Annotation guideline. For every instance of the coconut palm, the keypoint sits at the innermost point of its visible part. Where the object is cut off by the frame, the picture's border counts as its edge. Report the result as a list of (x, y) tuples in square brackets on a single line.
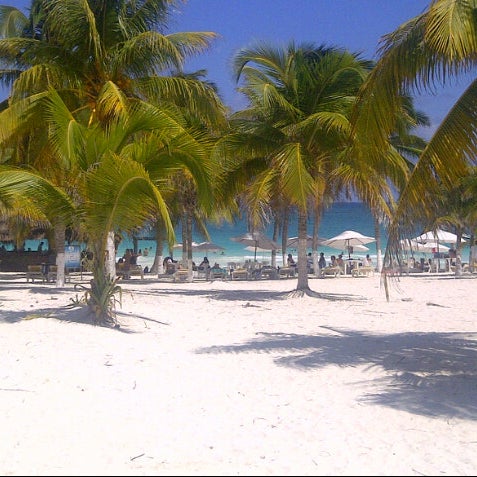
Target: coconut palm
[(28, 198), (29, 194), (99, 56), (431, 49), (297, 124), (116, 191)]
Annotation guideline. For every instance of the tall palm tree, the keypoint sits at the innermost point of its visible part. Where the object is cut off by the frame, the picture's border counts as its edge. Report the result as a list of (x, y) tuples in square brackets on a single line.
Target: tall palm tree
[(99, 56), (436, 46), (296, 126)]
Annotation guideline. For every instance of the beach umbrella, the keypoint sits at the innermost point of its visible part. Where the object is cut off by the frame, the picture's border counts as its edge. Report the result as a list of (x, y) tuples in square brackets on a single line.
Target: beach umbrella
[(251, 248), (348, 240), (207, 247), (292, 242), (428, 247), (256, 240), (179, 245), (437, 236)]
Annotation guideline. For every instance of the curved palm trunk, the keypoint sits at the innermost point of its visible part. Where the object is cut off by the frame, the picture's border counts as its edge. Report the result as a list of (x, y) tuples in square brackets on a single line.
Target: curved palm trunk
[(458, 251), (286, 215), (60, 254), (276, 230), (189, 246), (157, 266), (302, 240), (316, 226), (377, 236)]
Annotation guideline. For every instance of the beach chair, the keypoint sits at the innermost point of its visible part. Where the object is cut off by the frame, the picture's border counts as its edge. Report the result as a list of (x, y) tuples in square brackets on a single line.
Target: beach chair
[(181, 274), (51, 273), (217, 273), (126, 273), (240, 274), (268, 272), (288, 272), (331, 271), (35, 272), (362, 271)]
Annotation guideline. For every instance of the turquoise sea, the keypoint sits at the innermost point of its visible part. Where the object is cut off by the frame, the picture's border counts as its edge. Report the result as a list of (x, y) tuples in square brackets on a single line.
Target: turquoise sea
[(339, 217)]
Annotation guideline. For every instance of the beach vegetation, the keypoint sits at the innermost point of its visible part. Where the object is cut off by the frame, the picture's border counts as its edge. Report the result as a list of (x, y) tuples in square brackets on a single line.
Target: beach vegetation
[(106, 83), (432, 49), (29, 201), (293, 133)]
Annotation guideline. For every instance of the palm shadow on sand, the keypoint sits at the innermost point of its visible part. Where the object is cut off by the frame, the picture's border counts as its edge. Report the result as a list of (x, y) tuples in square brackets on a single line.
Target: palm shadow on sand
[(432, 374)]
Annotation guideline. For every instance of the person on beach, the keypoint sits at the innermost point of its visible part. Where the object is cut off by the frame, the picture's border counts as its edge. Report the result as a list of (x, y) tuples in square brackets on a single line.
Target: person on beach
[(309, 262), (322, 261), (291, 261), (367, 262), (204, 265), (340, 262), (169, 265)]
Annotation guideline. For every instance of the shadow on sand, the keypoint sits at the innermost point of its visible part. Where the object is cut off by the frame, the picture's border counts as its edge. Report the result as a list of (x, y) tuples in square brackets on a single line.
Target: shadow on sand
[(432, 374)]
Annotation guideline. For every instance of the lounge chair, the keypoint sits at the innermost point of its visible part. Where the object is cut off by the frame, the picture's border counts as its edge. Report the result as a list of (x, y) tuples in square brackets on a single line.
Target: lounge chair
[(362, 271), (268, 272), (181, 274), (121, 271), (217, 273), (35, 271), (240, 274), (286, 272), (331, 271)]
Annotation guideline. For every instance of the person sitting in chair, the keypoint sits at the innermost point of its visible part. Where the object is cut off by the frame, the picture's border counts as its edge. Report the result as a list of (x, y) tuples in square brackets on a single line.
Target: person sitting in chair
[(204, 265), (291, 261)]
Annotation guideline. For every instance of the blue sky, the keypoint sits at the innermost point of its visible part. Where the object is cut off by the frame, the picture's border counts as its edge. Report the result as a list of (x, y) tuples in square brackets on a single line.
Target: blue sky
[(353, 24)]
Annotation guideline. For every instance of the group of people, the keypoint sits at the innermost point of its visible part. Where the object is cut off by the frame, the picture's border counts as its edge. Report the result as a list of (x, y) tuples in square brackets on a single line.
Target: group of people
[(334, 262), (171, 265)]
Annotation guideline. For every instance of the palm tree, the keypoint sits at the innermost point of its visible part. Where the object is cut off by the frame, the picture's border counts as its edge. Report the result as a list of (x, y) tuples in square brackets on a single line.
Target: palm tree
[(437, 46), (115, 190), (297, 124), (26, 196), (100, 57)]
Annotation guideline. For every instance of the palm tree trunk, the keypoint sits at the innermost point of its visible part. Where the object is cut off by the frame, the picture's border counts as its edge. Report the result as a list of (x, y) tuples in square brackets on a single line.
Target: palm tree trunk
[(160, 232), (377, 236), (60, 254), (110, 259), (316, 226), (189, 245), (286, 215), (302, 240), (276, 229)]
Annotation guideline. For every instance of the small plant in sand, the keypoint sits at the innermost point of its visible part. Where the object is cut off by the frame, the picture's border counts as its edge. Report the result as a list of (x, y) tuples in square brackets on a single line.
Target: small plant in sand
[(101, 297)]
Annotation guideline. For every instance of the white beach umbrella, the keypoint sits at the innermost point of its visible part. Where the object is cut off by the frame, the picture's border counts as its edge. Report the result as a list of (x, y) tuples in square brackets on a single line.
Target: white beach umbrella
[(179, 245), (256, 240), (438, 236), (428, 247), (348, 240), (292, 242), (207, 247), (251, 248)]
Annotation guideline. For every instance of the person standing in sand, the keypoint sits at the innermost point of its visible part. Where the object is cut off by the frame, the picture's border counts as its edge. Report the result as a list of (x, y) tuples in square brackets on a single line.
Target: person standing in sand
[(340, 263)]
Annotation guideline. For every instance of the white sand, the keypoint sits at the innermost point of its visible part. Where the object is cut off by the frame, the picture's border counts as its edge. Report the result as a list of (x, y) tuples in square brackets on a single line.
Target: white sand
[(234, 378)]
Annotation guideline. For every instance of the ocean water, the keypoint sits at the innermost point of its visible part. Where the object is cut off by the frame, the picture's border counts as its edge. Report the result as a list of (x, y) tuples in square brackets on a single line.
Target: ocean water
[(339, 217)]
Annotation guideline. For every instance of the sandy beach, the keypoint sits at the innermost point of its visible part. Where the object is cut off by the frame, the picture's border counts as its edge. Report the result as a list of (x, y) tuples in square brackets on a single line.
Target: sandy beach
[(240, 378)]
